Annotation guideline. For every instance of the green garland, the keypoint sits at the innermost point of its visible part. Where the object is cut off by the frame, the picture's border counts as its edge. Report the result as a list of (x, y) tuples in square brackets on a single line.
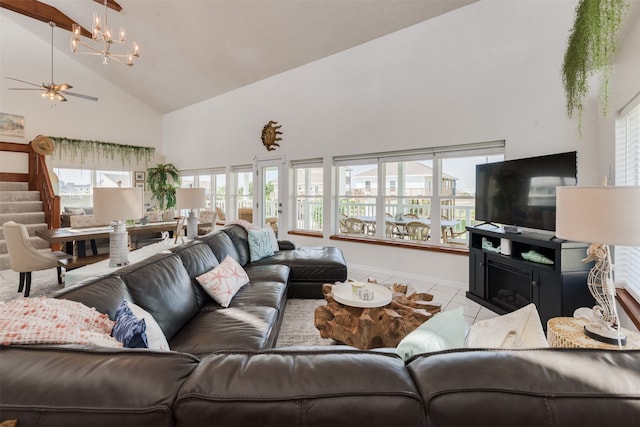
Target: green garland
[(81, 147), (592, 47)]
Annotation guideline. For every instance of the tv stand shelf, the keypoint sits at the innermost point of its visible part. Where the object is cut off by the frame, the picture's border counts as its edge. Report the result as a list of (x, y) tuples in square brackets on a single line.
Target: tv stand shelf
[(504, 282)]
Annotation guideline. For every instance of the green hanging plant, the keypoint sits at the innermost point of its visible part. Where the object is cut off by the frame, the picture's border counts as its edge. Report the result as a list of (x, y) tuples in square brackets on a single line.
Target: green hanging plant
[(160, 180), (83, 148), (592, 47)]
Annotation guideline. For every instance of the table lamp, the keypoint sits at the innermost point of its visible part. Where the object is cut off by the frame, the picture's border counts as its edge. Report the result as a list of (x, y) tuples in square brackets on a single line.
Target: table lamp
[(119, 205), (191, 198), (601, 216)]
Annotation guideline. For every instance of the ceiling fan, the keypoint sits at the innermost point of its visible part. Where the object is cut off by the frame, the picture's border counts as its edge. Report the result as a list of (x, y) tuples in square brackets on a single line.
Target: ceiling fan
[(51, 90)]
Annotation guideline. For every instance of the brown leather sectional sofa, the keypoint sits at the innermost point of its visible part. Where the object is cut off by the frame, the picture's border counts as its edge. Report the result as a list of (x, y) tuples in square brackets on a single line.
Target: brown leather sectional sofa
[(224, 371)]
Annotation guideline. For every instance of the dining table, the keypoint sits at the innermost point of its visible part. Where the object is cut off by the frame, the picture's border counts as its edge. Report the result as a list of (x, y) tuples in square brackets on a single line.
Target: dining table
[(402, 222)]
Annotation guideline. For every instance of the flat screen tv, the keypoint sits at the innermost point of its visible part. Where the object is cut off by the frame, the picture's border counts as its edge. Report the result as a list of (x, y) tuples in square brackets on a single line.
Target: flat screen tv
[(522, 192)]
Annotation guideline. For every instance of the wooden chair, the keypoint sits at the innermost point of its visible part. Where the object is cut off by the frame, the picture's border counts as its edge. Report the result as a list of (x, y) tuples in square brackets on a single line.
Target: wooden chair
[(410, 215), (24, 258), (417, 230), (208, 217), (355, 226)]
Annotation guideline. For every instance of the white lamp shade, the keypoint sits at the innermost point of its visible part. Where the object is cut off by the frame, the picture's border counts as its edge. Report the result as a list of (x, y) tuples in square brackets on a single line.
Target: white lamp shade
[(112, 204), (191, 198), (606, 215)]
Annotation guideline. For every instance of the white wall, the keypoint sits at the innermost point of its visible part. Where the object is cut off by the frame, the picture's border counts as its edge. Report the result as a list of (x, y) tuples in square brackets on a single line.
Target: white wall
[(484, 72), (116, 117)]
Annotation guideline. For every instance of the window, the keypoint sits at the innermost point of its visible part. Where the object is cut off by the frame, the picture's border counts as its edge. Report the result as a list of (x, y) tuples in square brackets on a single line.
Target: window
[(243, 195), (75, 186), (434, 188), (627, 259), (308, 182), (214, 182)]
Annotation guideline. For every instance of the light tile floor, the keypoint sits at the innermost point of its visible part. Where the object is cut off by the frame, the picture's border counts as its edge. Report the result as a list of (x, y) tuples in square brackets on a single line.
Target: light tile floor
[(450, 297)]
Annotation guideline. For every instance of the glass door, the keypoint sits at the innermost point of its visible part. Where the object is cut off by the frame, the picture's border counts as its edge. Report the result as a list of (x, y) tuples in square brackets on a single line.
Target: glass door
[(270, 204)]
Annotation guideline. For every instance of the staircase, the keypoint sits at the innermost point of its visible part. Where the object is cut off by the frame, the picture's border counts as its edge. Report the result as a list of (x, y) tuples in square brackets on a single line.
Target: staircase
[(19, 204)]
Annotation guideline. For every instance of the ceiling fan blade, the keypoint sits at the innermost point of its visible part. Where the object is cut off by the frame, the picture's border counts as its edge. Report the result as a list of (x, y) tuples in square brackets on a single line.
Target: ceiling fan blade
[(24, 81), (62, 86), (79, 95), (24, 88)]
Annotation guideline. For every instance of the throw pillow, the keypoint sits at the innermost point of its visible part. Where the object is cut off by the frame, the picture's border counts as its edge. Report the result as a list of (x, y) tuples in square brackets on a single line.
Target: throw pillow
[(155, 336), (443, 331), (519, 329), (129, 330), (260, 245), (224, 281), (274, 240)]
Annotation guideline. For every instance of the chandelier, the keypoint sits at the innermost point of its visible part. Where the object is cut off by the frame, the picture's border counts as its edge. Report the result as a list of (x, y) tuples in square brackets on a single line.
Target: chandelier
[(100, 32)]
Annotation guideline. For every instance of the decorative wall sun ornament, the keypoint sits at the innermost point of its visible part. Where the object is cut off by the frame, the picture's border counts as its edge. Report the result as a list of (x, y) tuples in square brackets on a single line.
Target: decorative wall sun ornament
[(270, 135)]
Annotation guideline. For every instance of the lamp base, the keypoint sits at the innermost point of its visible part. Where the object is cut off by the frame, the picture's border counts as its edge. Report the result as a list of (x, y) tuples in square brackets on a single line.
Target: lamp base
[(605, 334), (192, 225), (119, 245)]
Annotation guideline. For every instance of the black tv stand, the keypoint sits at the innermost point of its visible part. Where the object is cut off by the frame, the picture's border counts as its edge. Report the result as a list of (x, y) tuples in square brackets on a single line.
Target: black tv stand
[(504, 283)]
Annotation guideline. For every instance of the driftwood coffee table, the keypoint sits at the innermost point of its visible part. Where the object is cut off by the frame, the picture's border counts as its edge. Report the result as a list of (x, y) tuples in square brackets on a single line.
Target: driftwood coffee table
[(370, 324)]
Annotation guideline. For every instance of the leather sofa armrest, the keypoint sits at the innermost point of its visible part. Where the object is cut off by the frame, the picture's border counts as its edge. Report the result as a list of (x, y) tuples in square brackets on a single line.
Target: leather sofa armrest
[(286, 245)]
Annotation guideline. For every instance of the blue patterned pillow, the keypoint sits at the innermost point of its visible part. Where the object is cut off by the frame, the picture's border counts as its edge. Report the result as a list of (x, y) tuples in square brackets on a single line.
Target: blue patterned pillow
[(129, 330), (260, 244)]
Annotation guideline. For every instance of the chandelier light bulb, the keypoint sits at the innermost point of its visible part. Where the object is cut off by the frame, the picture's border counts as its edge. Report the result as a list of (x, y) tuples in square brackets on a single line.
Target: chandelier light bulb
[(103, 34)]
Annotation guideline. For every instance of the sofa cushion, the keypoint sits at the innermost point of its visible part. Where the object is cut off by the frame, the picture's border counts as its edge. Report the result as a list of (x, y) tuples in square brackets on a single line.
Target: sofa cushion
[(198, 258), (311, 264), (221, 245), (301, 388), (269, 273), (63, 386), (240, 238), (246, 328), (103, 293), (261, 294), (162, 286), (224, 281)]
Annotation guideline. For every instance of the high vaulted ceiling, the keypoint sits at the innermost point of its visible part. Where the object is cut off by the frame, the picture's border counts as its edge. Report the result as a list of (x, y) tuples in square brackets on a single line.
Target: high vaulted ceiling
[(192, 50)]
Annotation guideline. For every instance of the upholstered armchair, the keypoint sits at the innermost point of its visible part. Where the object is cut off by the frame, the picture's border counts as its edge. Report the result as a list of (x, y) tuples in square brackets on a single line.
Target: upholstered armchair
[(24, 258)]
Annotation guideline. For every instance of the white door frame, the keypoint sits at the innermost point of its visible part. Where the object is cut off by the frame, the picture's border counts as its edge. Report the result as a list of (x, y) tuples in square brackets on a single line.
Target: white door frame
[(258, 165)]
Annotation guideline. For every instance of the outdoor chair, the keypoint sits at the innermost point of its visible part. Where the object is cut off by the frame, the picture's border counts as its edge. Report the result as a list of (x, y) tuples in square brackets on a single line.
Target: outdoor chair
[(417, 230)]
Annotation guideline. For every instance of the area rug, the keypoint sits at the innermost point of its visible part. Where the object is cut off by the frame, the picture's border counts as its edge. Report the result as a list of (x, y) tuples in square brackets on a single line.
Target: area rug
[(297, 325)]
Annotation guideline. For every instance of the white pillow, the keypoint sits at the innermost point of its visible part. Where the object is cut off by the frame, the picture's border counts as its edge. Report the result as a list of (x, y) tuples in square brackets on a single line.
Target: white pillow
[(519, 329), (155, 336), (443, 331), (224, 281)]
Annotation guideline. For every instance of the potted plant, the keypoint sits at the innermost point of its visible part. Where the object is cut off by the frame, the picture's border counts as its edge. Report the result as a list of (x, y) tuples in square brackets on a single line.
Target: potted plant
[(161, 181), (591, 49)]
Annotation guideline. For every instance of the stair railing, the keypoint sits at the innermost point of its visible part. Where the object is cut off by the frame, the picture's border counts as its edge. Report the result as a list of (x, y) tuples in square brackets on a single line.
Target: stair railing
[(37, 178)]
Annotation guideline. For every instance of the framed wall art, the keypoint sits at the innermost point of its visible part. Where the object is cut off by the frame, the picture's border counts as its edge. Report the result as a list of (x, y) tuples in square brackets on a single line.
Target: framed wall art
[(140, 176), (11, 125)]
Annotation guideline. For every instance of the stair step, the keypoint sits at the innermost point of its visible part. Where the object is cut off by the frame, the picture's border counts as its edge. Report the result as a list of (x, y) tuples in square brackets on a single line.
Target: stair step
[(23, 218), (19, 196), (21, 207), (14, 186)]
